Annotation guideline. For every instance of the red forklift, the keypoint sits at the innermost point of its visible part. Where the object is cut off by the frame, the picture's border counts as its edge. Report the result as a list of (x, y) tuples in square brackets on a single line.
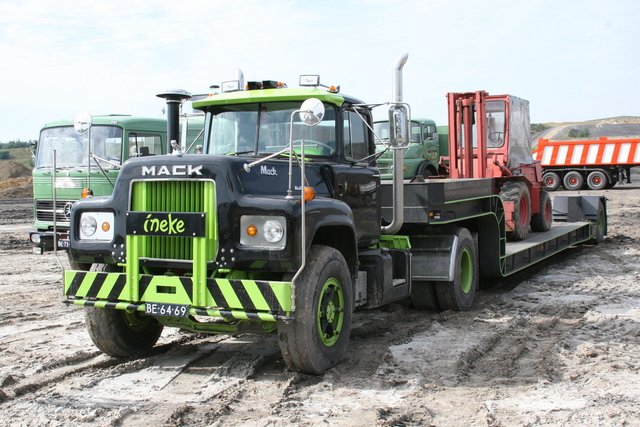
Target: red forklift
[(489, 137)]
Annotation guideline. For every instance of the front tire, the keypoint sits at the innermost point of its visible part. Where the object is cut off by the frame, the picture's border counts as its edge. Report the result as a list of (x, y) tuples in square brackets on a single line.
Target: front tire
[(542, 220), (120, 333), (317, 338), (518, 192), (459, 294)]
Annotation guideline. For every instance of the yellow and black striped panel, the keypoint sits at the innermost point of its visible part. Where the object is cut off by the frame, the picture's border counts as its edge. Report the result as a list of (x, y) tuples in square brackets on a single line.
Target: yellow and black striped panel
[(228, 295), (88, 284)]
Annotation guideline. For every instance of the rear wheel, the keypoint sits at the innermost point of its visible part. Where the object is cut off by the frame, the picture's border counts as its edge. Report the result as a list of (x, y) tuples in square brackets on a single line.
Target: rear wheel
[(551, 180), (459, 293), (424, 295), (597, 180), (518, 193), (120, 333), (573, 180), (317, 338), (542, 220)]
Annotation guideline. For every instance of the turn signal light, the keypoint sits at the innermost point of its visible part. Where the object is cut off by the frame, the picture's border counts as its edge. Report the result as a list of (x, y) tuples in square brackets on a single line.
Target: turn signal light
[(106, 226), (309, 194), (252, 230), (86, 193)]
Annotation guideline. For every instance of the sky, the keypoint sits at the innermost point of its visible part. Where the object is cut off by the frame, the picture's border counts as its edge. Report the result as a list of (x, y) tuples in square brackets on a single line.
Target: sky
[(573, 60)]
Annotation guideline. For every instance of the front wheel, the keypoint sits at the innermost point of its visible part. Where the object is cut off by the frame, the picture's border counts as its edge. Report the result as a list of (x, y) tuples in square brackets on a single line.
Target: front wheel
[(542, 220), (459, 294), (518, 193), (316, 339), (120, 333)]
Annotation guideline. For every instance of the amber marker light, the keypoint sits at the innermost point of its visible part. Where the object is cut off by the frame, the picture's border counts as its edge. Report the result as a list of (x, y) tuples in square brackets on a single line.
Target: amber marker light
[(86, 193), (252, 230), (106, 226), (309, 194)]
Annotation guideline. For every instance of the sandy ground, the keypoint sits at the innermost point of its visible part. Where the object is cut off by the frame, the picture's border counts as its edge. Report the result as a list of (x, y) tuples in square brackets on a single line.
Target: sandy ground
[(557, 345)]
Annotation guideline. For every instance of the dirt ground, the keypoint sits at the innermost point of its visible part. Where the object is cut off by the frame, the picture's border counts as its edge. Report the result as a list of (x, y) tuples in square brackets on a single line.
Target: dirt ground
[(557, 345)]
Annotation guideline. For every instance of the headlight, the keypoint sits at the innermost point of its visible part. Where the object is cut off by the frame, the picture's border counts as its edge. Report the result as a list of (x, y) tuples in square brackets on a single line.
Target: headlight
[(262, 231), (88, 225), (273, 231), (96, 226)]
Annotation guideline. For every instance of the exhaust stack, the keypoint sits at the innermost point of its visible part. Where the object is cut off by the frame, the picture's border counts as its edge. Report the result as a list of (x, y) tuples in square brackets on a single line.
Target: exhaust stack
[(398, 158), (174, 98)]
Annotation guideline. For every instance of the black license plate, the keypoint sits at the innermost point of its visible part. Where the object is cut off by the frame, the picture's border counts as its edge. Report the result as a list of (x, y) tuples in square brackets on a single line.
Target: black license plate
[(168, 310), (63, 243)]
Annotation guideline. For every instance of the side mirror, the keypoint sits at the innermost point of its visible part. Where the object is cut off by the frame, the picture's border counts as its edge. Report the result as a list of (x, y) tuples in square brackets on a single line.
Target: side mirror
[(399, 136), (312, 111), (83, 122)]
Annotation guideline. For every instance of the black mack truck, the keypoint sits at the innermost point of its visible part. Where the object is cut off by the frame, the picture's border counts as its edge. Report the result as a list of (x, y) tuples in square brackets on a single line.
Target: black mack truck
[(283, 225)]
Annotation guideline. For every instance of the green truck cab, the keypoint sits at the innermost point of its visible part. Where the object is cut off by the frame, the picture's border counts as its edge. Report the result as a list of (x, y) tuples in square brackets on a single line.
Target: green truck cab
[(90, 168), (422, 158), (114, 139)]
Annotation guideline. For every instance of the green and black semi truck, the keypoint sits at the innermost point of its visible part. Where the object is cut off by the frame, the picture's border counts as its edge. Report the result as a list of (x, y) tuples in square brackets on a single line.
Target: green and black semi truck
[(283, 225)]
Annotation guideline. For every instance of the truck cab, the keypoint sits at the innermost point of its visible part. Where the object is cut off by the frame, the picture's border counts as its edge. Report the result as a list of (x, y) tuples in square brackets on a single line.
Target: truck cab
[(421, 158)]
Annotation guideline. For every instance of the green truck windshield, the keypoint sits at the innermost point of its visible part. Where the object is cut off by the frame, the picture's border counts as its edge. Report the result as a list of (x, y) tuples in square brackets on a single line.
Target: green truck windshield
[(264, 128), (72, 149)]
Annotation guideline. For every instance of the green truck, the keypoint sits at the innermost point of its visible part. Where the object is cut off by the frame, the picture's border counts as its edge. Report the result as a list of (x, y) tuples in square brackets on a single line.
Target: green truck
[(428, 144), (283, 225), (83, 169)]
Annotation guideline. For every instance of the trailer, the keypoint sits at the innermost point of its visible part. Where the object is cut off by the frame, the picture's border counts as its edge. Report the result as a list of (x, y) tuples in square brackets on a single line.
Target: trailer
[(596, 164), (283, 225)]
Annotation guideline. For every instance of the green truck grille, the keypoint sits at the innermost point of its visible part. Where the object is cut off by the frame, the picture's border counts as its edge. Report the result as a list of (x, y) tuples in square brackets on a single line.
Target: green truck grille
[(175, 196)]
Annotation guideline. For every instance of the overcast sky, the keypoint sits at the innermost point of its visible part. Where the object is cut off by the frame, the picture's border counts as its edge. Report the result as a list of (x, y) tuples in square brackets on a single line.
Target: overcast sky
[(573, 60)]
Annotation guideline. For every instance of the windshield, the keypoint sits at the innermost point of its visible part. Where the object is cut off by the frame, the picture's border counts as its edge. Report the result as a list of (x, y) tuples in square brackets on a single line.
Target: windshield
[(264, 128), (72, 149), (381, 129)]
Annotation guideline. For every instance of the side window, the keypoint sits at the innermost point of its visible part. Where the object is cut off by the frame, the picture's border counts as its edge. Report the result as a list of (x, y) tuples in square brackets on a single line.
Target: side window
[(144, 144), (355, 136)]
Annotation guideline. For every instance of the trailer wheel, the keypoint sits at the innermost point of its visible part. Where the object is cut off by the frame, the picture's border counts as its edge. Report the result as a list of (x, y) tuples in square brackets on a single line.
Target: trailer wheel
[(542, 220), (600, 225), (120, 333), (459, 294), (317, 338), (424, 295), (573, 180), (518, 192), (551, 180), (597, 180)]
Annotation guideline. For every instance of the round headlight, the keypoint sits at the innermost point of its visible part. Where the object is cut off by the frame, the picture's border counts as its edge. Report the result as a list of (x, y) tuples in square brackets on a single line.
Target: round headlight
[(88, 225), (273, 231)]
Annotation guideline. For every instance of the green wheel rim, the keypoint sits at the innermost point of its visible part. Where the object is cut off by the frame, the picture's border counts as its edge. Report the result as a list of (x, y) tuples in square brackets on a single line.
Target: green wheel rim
[(135, 321), (330, 312), (466, 271)]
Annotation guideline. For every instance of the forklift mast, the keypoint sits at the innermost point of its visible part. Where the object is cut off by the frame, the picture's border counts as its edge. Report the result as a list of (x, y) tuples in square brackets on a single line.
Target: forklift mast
[(489, 136)]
